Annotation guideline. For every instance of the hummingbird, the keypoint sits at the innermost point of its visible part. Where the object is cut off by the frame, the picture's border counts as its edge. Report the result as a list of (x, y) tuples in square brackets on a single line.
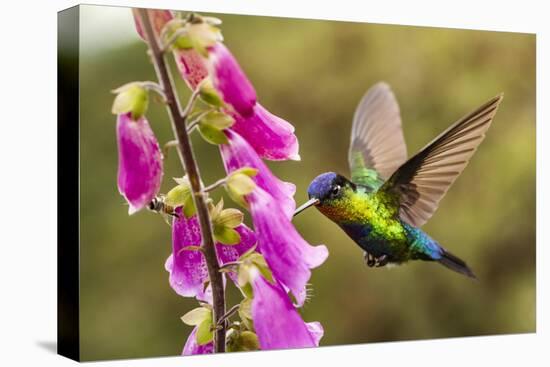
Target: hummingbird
[(388, 198)]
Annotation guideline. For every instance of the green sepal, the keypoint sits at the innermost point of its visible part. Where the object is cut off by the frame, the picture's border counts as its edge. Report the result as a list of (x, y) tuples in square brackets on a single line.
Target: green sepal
[(196, 316), (189, 208), (218, 120), (190, 248), (249, 341), (247, 290), (184, 42), (243, 277), (229, 218), (131, 97), (204, 35), (212, 20), (226, 236), (178, 195), (242, 341), (258, 260), (240, 183), (212, 135), (249, 171), (237, 198), (215, 210), (205, 332), (209, 94), (181, 196), (245, 309)]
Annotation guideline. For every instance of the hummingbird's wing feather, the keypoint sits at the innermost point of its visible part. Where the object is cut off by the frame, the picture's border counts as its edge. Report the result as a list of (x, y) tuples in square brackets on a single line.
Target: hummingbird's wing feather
[(423, 180), (377, 144)]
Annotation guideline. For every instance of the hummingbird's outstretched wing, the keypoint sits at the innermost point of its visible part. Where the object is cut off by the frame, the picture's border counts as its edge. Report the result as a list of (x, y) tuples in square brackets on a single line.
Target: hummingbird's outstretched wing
[(423, 180), (377, 144)]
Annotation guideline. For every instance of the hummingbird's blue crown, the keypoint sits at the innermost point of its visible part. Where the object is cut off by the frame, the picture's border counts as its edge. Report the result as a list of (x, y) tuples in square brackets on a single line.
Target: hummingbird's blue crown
[(321, 185)]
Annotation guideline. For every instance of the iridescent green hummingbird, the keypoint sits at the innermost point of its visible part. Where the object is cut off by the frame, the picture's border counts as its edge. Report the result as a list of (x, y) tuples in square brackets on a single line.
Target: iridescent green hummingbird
[(389, 197)]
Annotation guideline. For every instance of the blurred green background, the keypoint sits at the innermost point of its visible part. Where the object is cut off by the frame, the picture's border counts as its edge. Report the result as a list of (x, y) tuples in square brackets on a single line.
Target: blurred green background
[(313, 74)]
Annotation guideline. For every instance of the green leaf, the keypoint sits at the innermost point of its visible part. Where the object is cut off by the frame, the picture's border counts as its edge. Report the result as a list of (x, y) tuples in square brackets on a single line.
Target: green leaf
[(178, 196), (230, 218), (212, 135), (240, 184), (196, 316), (131, 97), (226, 236), (205, 334)]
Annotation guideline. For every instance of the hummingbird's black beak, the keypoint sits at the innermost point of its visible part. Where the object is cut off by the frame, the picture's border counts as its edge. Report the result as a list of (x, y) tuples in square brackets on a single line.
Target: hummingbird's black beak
[(307, 204)]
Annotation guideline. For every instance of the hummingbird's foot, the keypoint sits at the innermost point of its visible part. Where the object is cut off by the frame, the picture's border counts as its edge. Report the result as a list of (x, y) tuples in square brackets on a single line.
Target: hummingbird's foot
[(369, 259), (381, 261)]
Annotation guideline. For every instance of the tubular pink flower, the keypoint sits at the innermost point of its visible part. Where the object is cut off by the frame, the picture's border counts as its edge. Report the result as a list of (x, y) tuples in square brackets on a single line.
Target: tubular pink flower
[(191, 347), (159, 19), (187, 268), (191, 66), (288, 255), (276, 321), (230, 80), (272, 137), (139, 162), (238, 153)]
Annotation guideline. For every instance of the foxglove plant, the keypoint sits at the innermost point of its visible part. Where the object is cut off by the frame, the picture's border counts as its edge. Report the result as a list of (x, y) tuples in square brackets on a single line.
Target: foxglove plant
[(271, 263)]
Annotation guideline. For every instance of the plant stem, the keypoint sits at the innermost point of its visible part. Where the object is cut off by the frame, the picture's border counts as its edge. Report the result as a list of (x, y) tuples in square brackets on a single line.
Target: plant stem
[(229, 313), (215, 185), (189, 163)]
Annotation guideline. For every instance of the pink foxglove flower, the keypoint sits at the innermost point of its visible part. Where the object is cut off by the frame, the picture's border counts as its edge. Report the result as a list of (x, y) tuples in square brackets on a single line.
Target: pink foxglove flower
[(159, 18), (272, 137), (187, 268), (192, 347), (230, 80), (238, 153), (288, 255), (139, 161), (276, 321), (191, 66)]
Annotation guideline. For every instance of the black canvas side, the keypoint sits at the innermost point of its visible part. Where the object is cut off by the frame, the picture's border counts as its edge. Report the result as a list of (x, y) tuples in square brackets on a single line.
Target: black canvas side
[(68, 215)]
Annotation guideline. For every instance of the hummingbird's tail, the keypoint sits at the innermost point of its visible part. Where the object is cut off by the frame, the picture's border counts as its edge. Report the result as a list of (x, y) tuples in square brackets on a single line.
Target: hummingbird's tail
[(454, 263)]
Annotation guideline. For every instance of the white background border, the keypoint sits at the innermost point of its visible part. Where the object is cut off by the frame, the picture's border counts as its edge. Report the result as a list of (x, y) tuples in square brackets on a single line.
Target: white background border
[(28, 182)]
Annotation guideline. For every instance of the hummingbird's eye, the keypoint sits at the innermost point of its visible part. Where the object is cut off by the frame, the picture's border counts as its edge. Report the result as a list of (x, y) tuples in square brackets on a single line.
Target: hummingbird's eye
[(335, 190)]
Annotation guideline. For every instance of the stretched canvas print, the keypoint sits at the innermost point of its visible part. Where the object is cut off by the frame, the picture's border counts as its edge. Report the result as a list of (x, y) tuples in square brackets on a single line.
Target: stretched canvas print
[(241, 183)]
